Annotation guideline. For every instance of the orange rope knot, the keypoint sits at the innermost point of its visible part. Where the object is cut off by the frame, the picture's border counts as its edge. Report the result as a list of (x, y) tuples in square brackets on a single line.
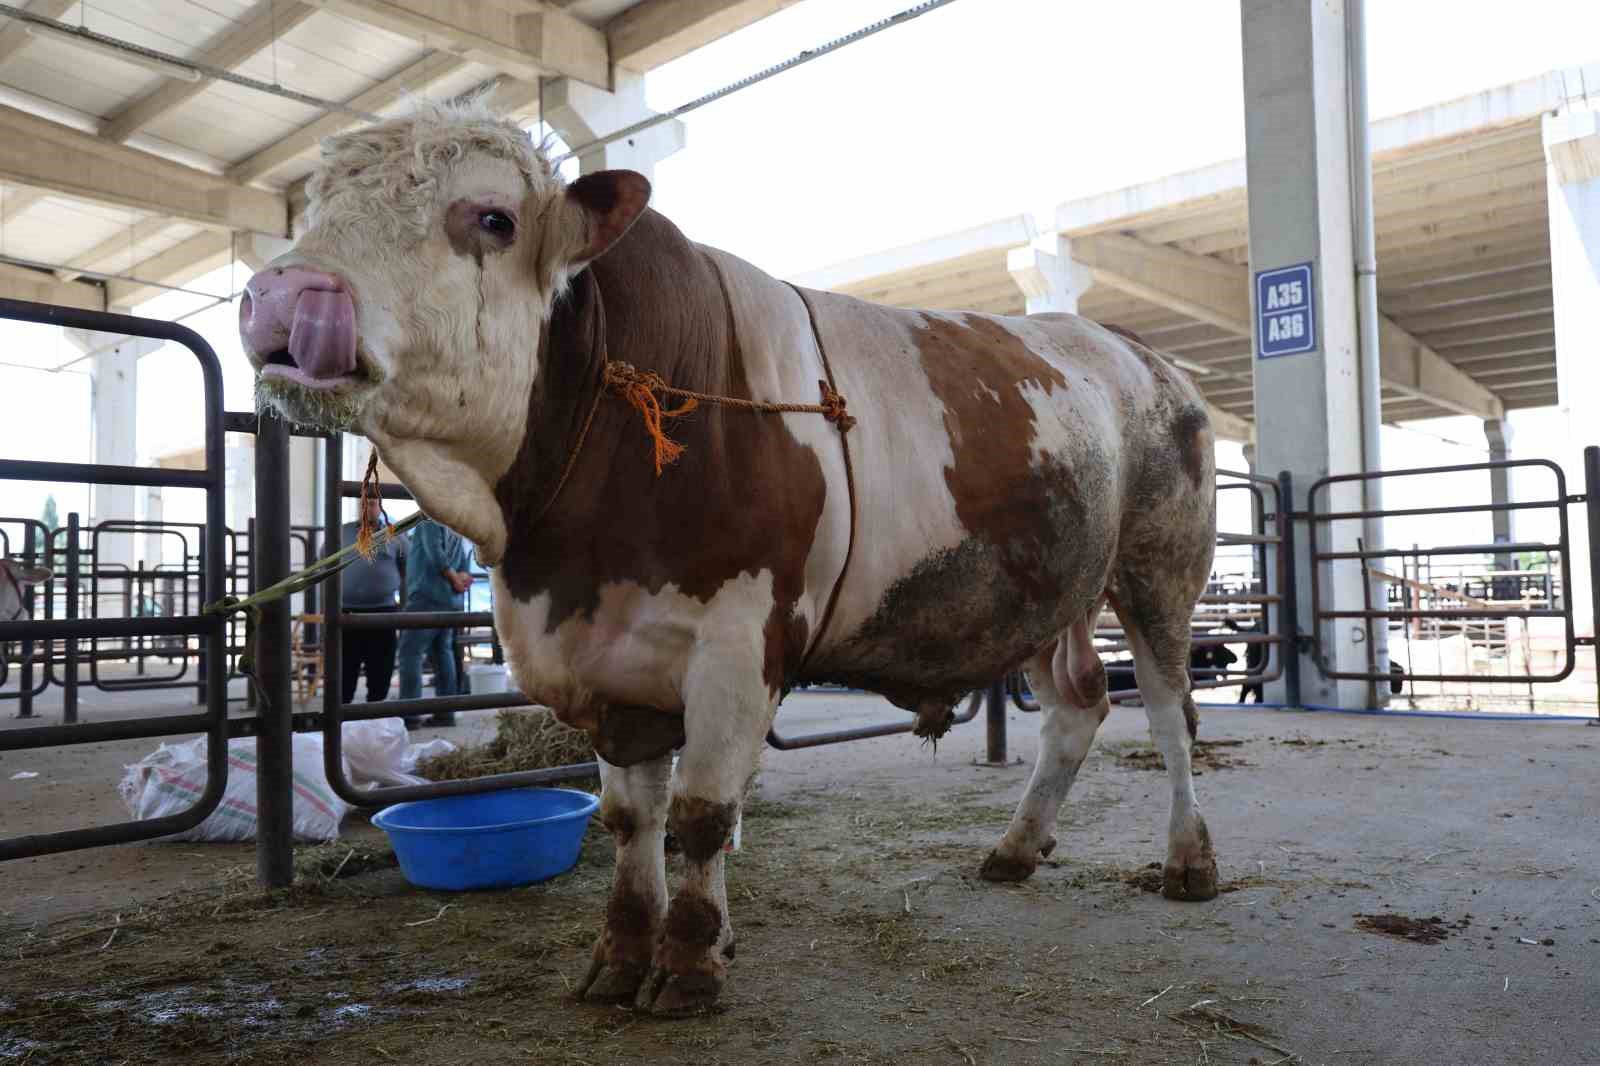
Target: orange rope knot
[(639, 388), (369, 490), (833, 408)]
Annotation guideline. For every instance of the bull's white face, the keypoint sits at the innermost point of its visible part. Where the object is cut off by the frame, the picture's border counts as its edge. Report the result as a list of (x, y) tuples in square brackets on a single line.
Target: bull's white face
[(410, 308)]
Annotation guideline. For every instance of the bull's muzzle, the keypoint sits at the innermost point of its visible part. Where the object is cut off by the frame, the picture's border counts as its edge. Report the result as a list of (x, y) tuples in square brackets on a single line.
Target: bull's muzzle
[(300, 324)]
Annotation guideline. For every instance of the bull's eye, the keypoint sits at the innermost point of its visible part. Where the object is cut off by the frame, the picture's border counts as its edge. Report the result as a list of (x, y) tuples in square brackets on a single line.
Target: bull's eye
[(499, 223)]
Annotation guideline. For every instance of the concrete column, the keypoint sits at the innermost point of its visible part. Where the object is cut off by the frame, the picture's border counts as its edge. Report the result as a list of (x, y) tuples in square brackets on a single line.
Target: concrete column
[(114, 394), (1308, 411), (581, 113), (1572, 149), (240, 458), (1050, 279), (1497, 431), (256, 250)]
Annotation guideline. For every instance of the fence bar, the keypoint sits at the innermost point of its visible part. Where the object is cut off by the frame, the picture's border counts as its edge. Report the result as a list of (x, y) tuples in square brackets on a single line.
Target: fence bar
[(779, 742), (416, 620), (1289, 619), (995, 725), (73, 628), (1452, 612), (69, 694), (1591, 490), (213, 479), (1454, 549), (386, 490), (250, 422), (275, 739)]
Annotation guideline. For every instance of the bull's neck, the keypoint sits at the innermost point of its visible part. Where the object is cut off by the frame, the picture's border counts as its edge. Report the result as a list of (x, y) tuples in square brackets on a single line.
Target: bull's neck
[(655, 301)]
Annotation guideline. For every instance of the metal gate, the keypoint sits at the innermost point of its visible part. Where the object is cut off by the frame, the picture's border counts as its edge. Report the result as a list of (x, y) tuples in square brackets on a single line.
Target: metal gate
[(1446, 591), (72, 629)]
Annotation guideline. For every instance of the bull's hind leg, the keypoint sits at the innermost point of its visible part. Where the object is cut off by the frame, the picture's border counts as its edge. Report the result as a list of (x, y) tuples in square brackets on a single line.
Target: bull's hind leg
[(1070, 685), (633, 806), (1157, 622)]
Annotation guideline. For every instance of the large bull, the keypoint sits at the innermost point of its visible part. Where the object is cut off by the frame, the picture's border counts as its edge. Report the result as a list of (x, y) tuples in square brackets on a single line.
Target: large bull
[(457, 303)]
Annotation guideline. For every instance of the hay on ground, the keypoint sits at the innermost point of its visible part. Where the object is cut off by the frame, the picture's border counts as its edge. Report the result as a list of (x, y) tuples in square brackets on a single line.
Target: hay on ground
[(529, 738)]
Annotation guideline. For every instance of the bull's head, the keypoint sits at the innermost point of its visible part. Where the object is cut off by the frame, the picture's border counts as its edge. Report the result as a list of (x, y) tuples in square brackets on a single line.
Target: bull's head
[(410, 308)]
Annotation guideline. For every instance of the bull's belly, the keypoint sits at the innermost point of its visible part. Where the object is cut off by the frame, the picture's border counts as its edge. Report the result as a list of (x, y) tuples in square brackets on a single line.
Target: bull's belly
[(962, 617)]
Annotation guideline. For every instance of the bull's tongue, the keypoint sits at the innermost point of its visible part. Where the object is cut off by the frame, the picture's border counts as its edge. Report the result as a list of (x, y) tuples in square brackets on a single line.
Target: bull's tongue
[(322, 341)]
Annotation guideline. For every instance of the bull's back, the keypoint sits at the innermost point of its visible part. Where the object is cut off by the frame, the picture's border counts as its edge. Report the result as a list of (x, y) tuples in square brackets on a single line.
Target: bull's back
[(991, 471)]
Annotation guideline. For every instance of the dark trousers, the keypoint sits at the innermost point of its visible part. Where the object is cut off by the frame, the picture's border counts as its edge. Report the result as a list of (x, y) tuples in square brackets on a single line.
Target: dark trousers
[(372, 650)]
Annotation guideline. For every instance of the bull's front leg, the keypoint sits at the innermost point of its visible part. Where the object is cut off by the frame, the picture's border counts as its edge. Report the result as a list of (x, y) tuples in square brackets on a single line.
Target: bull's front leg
[(633, 806), (728, 709)]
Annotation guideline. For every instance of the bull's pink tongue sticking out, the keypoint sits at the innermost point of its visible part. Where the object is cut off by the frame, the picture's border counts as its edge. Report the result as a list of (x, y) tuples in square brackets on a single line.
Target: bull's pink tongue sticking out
[(322, 338)]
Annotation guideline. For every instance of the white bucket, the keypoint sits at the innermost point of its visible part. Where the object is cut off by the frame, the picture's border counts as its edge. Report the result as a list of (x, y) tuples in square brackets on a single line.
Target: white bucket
[(488, 677)]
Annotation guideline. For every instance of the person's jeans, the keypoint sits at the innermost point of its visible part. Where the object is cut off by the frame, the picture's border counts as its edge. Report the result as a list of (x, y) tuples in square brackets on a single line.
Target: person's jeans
[(439, 646)]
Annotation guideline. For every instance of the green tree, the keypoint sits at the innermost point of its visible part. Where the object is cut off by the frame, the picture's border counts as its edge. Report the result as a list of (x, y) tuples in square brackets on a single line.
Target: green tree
[(51, 520)]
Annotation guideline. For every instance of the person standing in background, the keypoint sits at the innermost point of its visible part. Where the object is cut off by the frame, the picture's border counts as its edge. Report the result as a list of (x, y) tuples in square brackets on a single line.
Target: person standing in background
[(370, 587), (436, 580)]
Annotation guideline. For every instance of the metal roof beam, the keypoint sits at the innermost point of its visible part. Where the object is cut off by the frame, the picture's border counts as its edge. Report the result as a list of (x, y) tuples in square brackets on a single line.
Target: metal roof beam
[(526, 40), (271, 21), (1219, 293), (45, 154)]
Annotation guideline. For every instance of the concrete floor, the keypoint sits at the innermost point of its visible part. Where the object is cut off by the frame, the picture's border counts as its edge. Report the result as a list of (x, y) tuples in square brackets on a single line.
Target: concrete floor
[(1488, 825)]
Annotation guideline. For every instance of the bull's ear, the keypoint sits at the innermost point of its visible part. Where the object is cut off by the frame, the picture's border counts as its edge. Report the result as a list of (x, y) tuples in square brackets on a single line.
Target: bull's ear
[(593, 213), (605, 204), (611, 201)]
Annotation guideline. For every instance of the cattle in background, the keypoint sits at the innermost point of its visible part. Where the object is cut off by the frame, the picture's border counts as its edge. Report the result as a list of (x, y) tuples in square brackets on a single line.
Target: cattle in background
[(503, 338), (1207, 658), (14, 578)]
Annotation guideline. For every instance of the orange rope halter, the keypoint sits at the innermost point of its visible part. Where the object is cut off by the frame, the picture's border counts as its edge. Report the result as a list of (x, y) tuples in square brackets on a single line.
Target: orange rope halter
[(639, 388)]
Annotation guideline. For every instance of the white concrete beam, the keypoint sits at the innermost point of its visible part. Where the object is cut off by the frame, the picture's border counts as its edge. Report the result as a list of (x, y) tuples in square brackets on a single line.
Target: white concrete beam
[(998, 237), (271, 20), (1218, 293), (20, 283), (526, 40), (656, 32), (416, 78), (178, 265), (1049, 277), (1572, 146), (14, 35), (44, 154), (581, 113), (256, 251)]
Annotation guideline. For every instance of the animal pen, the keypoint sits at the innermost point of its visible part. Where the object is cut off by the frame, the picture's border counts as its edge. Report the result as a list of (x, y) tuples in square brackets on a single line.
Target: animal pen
[(1249, 603)]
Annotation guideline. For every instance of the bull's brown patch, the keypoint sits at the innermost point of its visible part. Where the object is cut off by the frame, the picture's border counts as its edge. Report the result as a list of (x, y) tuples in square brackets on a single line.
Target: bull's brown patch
[(701, 826), (745, 498), (1036, 549)]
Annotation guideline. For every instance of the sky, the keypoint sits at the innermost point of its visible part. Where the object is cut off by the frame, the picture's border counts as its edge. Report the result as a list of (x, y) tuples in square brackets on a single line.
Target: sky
[(978, 111)]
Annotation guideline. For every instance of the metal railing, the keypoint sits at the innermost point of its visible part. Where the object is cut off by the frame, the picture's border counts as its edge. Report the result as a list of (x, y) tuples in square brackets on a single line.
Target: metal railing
[(1448, 606), (71, 629)]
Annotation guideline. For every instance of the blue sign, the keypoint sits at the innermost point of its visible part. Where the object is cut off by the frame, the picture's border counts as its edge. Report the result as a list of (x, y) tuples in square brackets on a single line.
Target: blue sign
[(1285, 316)]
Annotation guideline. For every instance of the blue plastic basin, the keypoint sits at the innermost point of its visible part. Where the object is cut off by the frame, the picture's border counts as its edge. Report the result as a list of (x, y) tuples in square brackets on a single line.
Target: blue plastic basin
[(490, 840)]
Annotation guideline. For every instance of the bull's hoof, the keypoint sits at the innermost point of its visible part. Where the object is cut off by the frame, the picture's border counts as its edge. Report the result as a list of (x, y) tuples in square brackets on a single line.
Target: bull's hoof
[(1002, 867), (680, 995), (1194, 883), (616, 981)]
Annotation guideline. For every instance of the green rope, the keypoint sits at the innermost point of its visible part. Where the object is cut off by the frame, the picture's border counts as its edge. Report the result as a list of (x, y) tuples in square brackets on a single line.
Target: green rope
[(313, 574)]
